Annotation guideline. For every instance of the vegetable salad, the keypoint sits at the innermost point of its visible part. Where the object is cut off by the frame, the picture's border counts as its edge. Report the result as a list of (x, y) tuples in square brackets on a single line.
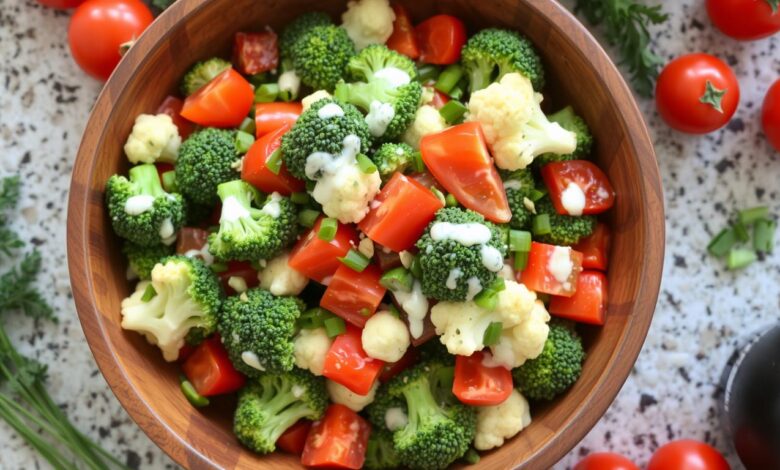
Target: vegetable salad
[(371, 232)]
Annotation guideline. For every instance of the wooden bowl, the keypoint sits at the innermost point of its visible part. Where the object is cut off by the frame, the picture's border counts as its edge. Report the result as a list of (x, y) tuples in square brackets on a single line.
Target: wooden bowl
[(579, 73)]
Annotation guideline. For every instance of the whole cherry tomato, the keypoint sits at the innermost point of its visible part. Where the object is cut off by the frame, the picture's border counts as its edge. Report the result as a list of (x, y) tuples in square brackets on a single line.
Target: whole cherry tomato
[(99, 28), (770, 115), (605, 461), (61, 3), (745, 20), (687, 454), (697, 93)]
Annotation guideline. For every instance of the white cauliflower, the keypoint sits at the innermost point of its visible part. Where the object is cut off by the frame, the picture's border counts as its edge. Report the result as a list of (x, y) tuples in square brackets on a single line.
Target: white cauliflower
[(385, 337), (522, 342), (427, 120), (289, 81), (368, 22), (497, 423), (310, 348), (515, 127), (344, 396), (153, 139), (309, 100), (280, 279), (345, 194)]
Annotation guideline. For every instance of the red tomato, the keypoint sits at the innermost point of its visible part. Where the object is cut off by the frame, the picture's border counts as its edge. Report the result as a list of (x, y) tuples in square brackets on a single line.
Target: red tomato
[(685, 100), (458, 158), (605, 461), (426, 179), (595, 248), (440, 38), (599, 195), (439, 99), (589, 302), (745, 20), (352, 295), (255, 172), (770, 114), (99, 28), (272, 116), (293, 439), (171, 106), (687, 454), (540, 273), (348, 364), (390, 370), (61, 3), (191, 238), (223, 102), (338, 440), (318, 259), (255, 52), (403, 39), (210, 371), (478, 385), (185, 352), (402, 210), (241, 269)]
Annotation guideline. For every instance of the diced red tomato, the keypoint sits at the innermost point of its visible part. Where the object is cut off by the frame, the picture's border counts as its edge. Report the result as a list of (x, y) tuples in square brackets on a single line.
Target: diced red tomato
[(595, 248), (318, 259), (223, 102), (440, 38), (238, 269), (403, 40), (599, 195), (402, 210), (348, 364), (589, 302), (458, 158), (210, 371), (426, 179), (255, 172), (439, 99), (354, 296), (191, 238), (478, 385), (255, 52), (338, 440), (293, 439), (547, 264), (171, 106), (386, 259), (390, 370), (271, 116)]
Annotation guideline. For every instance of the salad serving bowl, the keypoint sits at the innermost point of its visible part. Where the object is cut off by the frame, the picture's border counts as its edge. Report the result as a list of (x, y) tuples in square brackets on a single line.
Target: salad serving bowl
[(579, 73)]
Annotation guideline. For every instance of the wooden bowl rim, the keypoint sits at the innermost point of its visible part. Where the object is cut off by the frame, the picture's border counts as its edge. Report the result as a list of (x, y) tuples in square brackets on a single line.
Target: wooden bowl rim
[(183, 452)]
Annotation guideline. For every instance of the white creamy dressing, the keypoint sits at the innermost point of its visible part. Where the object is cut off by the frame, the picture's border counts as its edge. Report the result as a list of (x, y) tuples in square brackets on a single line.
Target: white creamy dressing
[(465, 234), (491, 258), (271, 206), (166, 229), (379, 117), (415, 304), (573, 199), (320, 164), (330, 110), (560, 265), (203, 253), (406, 258), (394, 76), (298, 391), (366, 247), (232, 210), (474, 288), (252, 360), (513, 184), (395, 418), (137, 205), (289, 81), (529, 204), (452, 278)]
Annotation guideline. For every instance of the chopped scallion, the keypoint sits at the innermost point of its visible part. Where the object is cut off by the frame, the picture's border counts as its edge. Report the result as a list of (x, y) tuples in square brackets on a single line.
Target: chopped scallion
[(439, 195), (334, 326), (541, 224), (308, 217), (493, 333), (450, 201), (149, 293), (535, 194), (299, 198), (427, 73), (169, 182), (355, 260), (453, 111), (740, 258), (722, 243), (266, 93), (764, 235), (458, 92), (274, 161), (397, 279), (365, 164), (741, 232), (417, 162), (313, 318), (328, 228), (244, 140), (750, 216), (415, 267), (471, 457), (248, 126), (219, 267), (519, 240), (192, 395), (521, 260)]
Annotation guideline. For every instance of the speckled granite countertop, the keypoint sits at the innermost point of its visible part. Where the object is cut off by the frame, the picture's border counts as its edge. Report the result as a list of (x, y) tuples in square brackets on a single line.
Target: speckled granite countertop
[(702, 309)]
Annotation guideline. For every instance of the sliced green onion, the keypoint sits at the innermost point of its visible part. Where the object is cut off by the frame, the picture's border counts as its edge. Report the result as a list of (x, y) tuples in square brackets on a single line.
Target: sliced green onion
[(192, 395), (328, 228), (457, 92), (334, 326), (472, 457), (741, 232), (722, 243), (519, 240), (493, 333), (355, 260), (218, 267), (169, 181), (535, 194), (397, 279), (750, 216), (417, 162), (498, 285), (244, 140), (541, 225), (415, 267), (259, 78), (308, 217), (274, 161), (299, 198), (266, 93), (394, 310), (365, 164), (739, 258), (427, 73), (453, 111), (450, 201), (313, 318), (487, 299), (248, 126), (439, 195), (764, 235), (521, 260), (149, 293), (286, 95), (449, 78)]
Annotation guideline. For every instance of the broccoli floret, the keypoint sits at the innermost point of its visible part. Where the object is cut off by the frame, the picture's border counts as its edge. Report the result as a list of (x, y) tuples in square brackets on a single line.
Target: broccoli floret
[(201, 73), (556, 368), (206, 159), (257, 329), (519, 186), (183, 294), (272, 403), (492, 53), (453, 271), (142, 259), (320, 56), (298, 28), (370, 96), (392, 157), (376, 57), (380, 452), (572, 123), (250, 234), (140, 209), (566, 229), (311, 134), (376, 411)]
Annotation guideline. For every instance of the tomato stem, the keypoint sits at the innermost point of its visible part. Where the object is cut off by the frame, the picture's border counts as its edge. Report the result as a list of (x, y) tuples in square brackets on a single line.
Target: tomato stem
[(774, 5), (713, 96)]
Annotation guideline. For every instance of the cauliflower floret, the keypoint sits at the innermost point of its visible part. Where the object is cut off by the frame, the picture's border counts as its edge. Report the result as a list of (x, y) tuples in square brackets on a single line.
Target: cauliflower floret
[(385, 337), (346, 194), (515, 127), (462, 325), (344, 396), (153, 139), (309, 100), (522, 342), (368, 22), (280, 279), (427, 120), (500, 422), (310, 348)]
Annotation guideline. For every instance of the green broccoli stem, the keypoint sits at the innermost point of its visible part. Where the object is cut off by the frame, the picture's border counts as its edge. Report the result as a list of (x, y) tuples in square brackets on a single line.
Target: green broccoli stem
[(421, 403), (479, 77), (362, 94), (283, 410), (237, 189), (145, 177)]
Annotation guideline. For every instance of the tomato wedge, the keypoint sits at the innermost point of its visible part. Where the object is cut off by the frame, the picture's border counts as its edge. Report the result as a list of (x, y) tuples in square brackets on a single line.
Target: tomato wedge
[(348, 364), (440, 39), (241, 269), (478, 385), (458, 158), (191, 240), (210, 371), (551, 269), (589, 302), (255, 52), (588, 179), (400, 213), (272, 116), (293, 439), (338, 440), (255, 171), (223, 102), (171, 106), (595, 248), (390, 370), (318, 259), (403, 39), (354, 296)]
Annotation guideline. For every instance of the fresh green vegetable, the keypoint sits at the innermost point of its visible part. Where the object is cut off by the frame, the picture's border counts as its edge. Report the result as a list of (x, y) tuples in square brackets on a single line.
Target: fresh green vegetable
[(141, 259), (449, 78), (764, 235), (492, 53), (572, 123), (722, 243), (244, 140), (308, 217), (9, 194), (266, 93), (355, 260), (397, 280), (380, 452), (328, 228), (519, 185), (564, 229), (740, 258), (472, 457), (493, 333), (298, 28), (334, 326), (453, 111), (750, 216), (196, 399), (376, 411), (365, 164), (392, 157), (206, 159), (202, 73), (320, 56), (376, 57)]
